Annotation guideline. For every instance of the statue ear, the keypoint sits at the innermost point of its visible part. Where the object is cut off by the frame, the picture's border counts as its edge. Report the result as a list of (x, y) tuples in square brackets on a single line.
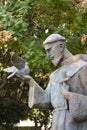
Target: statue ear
[(61, 46)]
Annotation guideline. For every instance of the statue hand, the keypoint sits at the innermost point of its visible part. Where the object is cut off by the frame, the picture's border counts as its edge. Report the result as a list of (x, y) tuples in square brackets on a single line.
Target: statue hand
[(26, 78)]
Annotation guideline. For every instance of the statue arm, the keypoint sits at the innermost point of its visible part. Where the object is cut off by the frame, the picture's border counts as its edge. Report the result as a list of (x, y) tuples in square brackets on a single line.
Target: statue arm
[(38, 98)]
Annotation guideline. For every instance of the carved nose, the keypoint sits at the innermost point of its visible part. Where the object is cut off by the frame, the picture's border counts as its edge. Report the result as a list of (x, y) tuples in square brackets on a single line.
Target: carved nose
[(49, 55)]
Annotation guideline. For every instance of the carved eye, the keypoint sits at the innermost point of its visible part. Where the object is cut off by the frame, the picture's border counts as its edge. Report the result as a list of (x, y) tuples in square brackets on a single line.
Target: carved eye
[(61, 45), (48, 50)]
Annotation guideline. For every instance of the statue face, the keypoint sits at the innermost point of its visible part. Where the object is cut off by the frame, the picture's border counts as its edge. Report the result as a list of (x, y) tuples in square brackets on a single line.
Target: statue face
[(55, 51)]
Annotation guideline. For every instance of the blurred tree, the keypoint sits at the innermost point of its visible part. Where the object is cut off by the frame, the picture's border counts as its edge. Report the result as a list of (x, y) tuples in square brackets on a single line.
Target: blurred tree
[(24, 24)]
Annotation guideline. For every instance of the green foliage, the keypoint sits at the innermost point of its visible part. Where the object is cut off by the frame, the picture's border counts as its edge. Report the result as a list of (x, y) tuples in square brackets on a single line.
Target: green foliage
[(12, 16), (11, 111), (13, 102), (28, 23), (40, 117)]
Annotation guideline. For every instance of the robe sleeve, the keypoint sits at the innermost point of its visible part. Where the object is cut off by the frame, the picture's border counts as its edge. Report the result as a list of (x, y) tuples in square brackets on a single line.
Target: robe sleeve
[(39, 98), (83, 80)]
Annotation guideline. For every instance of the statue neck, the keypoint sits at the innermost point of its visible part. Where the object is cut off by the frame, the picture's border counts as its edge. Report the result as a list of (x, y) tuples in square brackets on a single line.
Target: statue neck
[(67, 54)]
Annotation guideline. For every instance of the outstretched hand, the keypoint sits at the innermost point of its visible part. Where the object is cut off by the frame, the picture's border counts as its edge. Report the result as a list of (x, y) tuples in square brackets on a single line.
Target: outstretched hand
[(27, 78)]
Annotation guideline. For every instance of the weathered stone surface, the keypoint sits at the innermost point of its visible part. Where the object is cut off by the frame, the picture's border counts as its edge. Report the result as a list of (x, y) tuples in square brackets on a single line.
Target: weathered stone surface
[(78, 106)]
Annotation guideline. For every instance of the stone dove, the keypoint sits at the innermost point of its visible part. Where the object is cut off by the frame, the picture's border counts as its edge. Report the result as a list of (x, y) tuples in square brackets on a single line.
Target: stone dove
[(19, 68)]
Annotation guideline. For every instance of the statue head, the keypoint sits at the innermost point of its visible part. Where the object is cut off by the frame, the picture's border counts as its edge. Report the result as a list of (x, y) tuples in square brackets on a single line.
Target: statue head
[(54, 46)]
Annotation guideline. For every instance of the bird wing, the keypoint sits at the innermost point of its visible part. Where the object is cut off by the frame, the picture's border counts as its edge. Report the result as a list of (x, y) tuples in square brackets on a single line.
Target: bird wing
[(11, 69), (17, 61)]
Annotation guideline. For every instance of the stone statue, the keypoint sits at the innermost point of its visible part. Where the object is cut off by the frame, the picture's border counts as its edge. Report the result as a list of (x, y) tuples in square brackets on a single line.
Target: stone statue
[(66, 92)]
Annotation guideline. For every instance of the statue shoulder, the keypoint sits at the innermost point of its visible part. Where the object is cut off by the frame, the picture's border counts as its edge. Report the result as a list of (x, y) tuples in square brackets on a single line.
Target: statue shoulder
[(77, 57), (83, 73), (83, 57)]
